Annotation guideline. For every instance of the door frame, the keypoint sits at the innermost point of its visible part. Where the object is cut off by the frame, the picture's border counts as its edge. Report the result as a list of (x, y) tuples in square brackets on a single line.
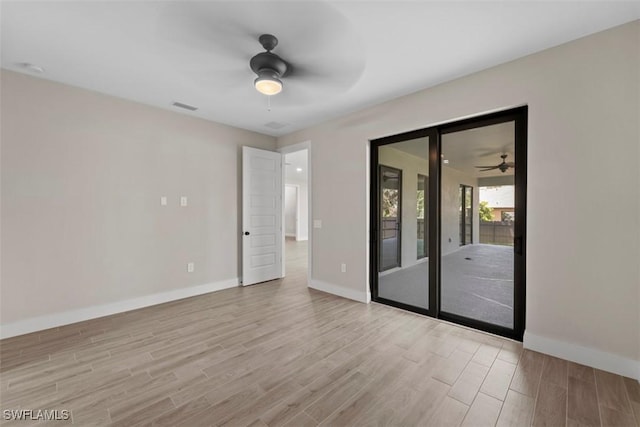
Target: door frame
[(305, 145), (519, 116)]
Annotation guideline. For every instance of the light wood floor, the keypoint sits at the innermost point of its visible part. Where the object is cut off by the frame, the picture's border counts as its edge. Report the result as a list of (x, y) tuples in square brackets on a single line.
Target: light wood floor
[(281, 354)]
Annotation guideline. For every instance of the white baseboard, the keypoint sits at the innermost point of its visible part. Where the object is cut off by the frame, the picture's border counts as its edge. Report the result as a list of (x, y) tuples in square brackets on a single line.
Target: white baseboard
[(341, 291), (389, 271), (73, 316), (586, 356)]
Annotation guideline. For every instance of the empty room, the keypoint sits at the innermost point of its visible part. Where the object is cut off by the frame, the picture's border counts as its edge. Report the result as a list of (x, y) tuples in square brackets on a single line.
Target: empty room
[(336, 213)]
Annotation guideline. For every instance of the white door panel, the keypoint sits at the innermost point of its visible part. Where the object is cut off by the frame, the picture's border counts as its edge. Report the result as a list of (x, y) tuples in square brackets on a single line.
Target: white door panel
[(261, 215)]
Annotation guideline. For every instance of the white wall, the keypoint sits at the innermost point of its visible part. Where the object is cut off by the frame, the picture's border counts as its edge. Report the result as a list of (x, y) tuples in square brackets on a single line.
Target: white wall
[(583, 275), (290, 210), (83, 231), (303, 206), (450, 208)]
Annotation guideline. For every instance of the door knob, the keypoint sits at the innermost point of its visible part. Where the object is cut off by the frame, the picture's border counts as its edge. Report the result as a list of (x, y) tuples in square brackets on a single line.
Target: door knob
[(246, 233)]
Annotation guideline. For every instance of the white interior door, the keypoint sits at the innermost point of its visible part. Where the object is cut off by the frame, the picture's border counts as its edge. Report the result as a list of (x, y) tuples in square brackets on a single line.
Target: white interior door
[(261, 215)]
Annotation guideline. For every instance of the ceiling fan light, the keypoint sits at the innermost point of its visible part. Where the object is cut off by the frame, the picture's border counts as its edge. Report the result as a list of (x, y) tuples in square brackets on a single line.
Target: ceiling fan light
[(268, 83)]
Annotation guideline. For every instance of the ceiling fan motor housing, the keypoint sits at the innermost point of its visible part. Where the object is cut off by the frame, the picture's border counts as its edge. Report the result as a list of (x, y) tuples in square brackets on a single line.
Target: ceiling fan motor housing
[(268, 62)]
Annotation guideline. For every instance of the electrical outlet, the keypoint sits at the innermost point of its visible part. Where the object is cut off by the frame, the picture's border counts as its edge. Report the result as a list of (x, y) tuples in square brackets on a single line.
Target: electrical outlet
[(317, 223), (191, 267), (343, 268), (183, 201)]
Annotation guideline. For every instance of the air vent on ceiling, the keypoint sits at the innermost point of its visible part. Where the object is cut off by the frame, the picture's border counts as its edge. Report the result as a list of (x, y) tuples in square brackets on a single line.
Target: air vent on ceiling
[(275, 125), (185, 106)]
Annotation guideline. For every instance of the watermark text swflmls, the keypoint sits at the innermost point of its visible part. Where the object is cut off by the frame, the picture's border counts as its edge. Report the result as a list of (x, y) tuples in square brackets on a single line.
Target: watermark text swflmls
[(36, 414)]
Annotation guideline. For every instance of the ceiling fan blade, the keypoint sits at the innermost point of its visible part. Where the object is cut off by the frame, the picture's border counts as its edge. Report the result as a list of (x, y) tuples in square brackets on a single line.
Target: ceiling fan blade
[(511, 164), (325, 61), (299, 91), (294, 93), (331, 72), (210, 28), (333, 52), (488, 166), (489, 169)]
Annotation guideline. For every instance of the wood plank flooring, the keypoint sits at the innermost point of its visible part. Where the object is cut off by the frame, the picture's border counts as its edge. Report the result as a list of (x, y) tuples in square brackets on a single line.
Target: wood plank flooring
[(280, 354)]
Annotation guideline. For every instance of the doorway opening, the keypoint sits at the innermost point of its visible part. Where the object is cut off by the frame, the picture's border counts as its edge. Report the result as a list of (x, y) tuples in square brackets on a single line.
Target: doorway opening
[(458, 220), (296, 212), (269, 179)]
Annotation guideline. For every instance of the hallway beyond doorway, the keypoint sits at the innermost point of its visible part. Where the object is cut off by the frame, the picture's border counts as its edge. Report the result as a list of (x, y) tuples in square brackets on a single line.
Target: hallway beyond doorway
[(296, 259)]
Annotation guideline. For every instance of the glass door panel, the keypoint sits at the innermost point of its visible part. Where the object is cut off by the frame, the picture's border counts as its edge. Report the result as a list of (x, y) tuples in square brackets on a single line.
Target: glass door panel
[(403, 273), (477, 183)]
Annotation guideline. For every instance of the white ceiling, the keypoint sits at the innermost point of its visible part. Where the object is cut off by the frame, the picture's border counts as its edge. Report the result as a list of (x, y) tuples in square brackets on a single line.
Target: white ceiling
[(480, 147), (418, 147), (353, 54)]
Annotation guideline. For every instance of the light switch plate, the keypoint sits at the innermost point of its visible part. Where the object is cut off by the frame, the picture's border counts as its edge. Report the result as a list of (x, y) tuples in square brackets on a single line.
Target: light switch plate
[(163, 201), (183, 201), (317, 223)]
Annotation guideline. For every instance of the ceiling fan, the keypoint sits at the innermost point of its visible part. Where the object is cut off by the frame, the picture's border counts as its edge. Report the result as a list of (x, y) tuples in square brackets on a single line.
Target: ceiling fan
[(307, 61), (269, 67), (504, 166)]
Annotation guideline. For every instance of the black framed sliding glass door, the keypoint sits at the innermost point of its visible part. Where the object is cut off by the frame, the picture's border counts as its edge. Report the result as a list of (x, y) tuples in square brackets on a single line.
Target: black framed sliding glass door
[(463, 207)]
